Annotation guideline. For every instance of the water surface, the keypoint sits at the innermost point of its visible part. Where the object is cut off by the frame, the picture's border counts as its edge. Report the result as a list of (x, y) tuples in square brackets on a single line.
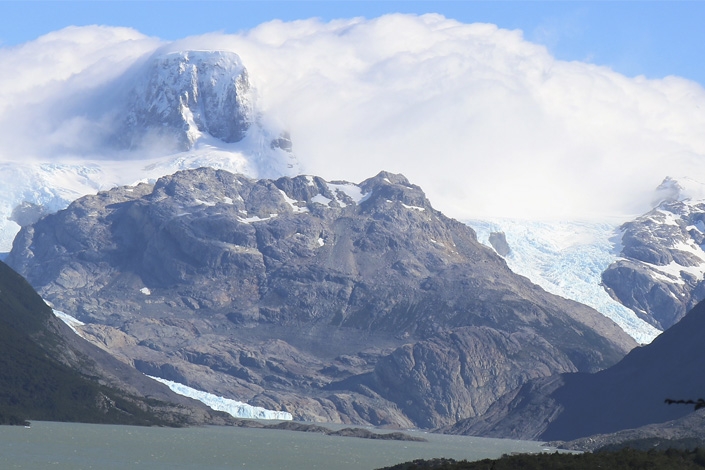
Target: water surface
[(73, 446)]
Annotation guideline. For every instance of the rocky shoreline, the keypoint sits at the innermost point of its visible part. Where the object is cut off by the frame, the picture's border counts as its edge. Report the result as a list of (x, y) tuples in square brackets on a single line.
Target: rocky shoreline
[(361, 433)]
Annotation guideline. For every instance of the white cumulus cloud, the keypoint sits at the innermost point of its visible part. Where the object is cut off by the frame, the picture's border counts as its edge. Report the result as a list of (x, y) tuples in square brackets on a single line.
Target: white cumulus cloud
[(487, 123)]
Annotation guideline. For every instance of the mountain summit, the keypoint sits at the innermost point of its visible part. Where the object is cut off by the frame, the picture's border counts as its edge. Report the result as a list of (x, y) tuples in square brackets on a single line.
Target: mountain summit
[(179, 96)]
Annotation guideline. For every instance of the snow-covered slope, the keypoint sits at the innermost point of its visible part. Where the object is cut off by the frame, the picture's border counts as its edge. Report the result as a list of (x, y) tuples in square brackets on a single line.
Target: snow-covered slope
[(644, 274), (567, 259), (169, 112)]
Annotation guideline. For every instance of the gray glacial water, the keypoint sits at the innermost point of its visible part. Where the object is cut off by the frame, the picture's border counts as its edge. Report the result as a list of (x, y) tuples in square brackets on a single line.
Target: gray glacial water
[(87, 446)]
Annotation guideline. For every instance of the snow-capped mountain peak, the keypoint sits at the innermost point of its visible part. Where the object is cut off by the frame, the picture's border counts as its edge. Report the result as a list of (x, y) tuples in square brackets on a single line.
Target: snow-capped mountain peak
[(170, 111), (679, 189), (179, 96)]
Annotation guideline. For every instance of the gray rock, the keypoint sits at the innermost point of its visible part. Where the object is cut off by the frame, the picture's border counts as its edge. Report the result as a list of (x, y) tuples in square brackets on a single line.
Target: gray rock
[(27, 213), (498, 240), (336, 302), (451, 374)]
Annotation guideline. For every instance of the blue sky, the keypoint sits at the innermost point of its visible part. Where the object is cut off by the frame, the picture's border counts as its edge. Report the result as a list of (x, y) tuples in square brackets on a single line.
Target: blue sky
[(654, 38)]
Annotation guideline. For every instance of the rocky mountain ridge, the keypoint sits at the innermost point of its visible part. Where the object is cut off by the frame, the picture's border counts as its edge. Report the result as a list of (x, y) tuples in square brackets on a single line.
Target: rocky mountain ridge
[(660, 274), (330, 300)]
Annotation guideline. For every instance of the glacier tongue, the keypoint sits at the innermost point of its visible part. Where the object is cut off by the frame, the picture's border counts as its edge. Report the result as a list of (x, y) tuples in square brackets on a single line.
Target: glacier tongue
[(235, 408), (567, 259)]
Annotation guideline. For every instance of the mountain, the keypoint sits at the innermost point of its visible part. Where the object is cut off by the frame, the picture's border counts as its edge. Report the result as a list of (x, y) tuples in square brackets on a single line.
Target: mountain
[(644, 273), (329, 300), (170, 111), (47, 373), (628, 395), (660, 274)]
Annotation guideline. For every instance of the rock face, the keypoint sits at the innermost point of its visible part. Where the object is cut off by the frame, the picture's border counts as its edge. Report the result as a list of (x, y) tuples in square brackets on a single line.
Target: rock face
[(661, 273), (628, 395), (498, 240), (179, 96), (333, 301)]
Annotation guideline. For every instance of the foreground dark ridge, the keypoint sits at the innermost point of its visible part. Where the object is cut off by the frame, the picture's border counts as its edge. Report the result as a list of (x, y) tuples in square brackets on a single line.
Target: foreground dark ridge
[(336, 302)]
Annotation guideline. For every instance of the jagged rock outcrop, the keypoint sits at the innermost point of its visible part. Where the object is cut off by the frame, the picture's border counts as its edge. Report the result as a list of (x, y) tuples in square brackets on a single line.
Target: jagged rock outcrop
[(330, 300), (498, 240), (628, 395), (660, 274), (178, 96)]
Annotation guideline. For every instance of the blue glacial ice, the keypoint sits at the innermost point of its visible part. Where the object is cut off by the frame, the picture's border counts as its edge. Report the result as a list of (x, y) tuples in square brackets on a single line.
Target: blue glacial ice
[(567, 259)]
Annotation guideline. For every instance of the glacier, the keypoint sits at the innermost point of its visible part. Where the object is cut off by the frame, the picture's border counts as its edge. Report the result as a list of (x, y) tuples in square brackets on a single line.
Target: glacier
[(235, 408), (567, 258)]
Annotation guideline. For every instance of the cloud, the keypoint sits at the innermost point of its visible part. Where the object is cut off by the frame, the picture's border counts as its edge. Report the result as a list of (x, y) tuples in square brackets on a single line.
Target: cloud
[(46, 84), (33, 71), (489, 124)]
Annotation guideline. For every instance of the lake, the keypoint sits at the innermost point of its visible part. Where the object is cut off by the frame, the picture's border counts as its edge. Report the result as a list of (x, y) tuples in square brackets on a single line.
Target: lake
[(90, 446)]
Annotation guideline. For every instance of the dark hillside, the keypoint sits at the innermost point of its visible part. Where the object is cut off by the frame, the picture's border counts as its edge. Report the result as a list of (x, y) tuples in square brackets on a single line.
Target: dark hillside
[(624, 459)]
